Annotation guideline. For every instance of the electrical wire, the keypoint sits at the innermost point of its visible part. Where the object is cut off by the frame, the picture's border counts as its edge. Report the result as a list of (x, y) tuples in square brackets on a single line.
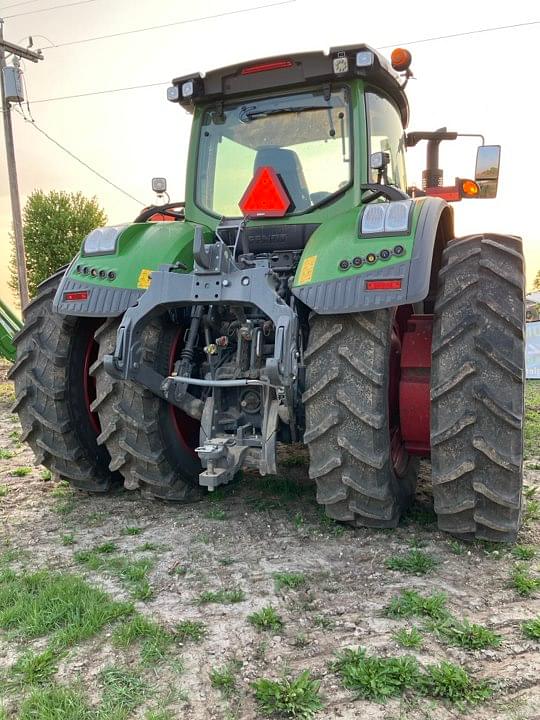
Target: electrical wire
[(382, 47), (166, 25), (78, 159), (462, 34), (54, 7), (101, 92), (17, 4)]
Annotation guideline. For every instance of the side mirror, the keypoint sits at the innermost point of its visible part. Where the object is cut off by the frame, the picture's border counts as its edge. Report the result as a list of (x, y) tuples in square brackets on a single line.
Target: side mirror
[(159, 185), (486, 174)]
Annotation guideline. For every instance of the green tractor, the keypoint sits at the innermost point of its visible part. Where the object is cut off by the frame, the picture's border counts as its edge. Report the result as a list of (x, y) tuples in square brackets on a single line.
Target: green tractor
[(303, 293)]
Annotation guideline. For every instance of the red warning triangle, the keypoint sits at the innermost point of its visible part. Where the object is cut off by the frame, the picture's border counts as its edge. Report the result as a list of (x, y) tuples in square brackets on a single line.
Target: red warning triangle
[(265, 195)]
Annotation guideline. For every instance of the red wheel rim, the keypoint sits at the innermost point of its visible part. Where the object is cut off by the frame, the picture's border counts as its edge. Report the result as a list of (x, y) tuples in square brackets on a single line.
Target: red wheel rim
[(398, 453), (186, 428), (89, 382)]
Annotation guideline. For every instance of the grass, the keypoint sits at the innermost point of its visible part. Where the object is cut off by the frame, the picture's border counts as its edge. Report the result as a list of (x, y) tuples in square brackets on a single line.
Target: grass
[(21, 471), (155, 639), (416, 562), (123, 691), (225, 596), (290, 580), (457, 547), (3, 490), (266, 619), (45, 475), (524, 552), (453, 683), (409, 638), (61, 605), (35, 668), (133, 572), (532, 417), (523, 582), (215, 513), (224, 678), (531, 628), (131, 530), (297, 697), (191, 630), (377, 678), (55, 703), (462, 633), (6, 454), (409, 603), (532, 511)]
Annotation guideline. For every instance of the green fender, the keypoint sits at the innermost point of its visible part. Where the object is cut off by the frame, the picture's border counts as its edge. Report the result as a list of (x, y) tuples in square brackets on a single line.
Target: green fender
[(338, 261)]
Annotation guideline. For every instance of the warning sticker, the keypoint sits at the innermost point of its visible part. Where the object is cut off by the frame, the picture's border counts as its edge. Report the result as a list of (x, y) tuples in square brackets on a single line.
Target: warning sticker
[(308, 266), (145, 278)]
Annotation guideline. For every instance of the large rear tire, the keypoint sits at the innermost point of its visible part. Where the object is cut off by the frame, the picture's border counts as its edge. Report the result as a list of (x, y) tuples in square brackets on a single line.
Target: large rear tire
[(149, 441), (477, 388), (54, 392), (364, 476)]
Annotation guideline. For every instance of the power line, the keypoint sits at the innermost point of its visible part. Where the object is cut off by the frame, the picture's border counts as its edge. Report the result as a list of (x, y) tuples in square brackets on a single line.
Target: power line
[(463, 34), (78, 159), (17, 4), (101, 92), (166, 25), (383, 47), (54, 7)]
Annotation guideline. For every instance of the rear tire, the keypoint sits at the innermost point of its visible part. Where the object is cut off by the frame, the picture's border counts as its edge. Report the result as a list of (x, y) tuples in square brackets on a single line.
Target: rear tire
[(348, 420), (477, 388), (53, 394), (140, 430)]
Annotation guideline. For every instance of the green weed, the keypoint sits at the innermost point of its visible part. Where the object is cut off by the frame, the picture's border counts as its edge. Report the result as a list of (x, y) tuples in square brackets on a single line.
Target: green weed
[(35, 668), (531, 628), (289, 580), (215, 513), (132, 572), (21, 471), (415, 562), (224, 678), (130, 530), (45, 475), (191, 630), (523, 582), (226, 596), (6, 454), (68, 539), (266, 619), (524, 552), (377, 678), (123, 691), (297, 697), (453, 683), (3, 490), (409, 638), (457, 547), (462, 633), (532, 511), (409, 603)]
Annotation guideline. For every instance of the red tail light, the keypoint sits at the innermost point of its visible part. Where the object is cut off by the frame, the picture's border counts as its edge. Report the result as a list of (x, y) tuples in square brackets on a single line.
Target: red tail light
[(76, 296), (450, 193), (265, 195), (383, 285), (276, 65)]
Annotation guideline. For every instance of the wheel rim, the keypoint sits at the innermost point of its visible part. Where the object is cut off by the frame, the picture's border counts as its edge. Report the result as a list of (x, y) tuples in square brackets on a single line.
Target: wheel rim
[(89, 382), (398, 453), (186, 428)]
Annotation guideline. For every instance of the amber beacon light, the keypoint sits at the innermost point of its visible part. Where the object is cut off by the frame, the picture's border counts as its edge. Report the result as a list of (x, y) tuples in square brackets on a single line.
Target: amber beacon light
[(401, 59)]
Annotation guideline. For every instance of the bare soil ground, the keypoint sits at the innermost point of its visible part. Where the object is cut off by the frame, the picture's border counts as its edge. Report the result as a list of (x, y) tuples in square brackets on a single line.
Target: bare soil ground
[(239, 538)]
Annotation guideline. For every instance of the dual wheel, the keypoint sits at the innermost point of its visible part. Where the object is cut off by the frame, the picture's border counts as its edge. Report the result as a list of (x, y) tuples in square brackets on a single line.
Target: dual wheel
[(94, 431)]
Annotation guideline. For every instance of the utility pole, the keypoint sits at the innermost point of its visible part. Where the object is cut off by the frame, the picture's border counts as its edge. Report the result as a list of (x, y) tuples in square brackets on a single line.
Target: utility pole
[(27, 54)]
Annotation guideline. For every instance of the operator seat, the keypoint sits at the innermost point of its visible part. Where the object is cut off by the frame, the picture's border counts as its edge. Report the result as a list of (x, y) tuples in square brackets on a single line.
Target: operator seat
[(287, 165)]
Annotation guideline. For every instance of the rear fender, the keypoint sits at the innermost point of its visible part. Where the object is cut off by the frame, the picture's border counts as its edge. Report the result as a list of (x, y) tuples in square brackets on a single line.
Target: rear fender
[(125, 274), (326, 288)]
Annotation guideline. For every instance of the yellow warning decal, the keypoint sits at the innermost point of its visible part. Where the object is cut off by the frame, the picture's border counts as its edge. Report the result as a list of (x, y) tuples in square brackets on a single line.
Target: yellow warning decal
[(308, 266), (145, 278)]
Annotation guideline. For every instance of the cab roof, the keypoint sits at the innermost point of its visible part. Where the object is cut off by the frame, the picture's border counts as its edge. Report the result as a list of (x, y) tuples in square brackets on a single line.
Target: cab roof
[(291, 71)]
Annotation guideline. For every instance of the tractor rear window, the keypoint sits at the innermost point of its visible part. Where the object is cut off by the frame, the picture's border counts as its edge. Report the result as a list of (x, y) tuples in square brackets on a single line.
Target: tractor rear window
[(304, 137)]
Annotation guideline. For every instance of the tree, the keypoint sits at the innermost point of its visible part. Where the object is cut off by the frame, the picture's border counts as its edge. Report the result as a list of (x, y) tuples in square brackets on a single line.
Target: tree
[(536, 282), (54, 226)]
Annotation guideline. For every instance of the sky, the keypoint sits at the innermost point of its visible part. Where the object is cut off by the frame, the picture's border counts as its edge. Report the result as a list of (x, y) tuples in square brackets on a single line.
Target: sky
[(477, 83)]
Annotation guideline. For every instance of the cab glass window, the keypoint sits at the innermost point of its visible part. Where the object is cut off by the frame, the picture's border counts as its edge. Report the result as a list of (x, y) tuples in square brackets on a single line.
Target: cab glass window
[(386, 135)]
